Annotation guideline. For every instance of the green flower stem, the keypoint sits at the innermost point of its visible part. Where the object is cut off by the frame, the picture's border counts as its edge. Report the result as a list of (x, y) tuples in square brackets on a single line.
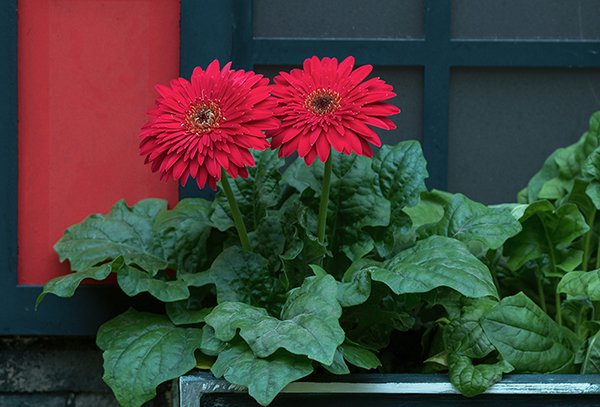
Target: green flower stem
[(324, 200), (235, 212)]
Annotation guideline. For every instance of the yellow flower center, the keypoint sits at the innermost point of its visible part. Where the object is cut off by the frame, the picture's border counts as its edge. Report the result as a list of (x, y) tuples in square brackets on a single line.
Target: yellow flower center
[(322, 101), (202, 117)]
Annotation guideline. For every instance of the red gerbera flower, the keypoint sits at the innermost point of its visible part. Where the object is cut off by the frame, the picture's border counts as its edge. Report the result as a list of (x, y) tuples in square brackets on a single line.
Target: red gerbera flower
[(326, 104), (208, 124)]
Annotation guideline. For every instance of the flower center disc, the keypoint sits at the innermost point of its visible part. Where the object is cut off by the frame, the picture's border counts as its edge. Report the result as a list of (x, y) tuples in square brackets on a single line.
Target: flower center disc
[(203, 117), (322, 101)]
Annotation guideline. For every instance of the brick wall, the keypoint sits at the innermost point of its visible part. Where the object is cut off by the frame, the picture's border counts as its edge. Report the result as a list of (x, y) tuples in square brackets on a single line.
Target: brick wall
[(57, 372)]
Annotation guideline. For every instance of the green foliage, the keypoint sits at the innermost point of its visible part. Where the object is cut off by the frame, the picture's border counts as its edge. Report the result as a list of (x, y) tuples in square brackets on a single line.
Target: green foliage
[(245, 277), (142, 350), (464, 335), (255, 194), (400, 173), (474, 284), (562, 167), (480, 227), (436, 262), (579, 284), (466, 342), (353, 202), (65, 286), (133, 281), (547, 236), (529, 339), (186, 312), (359, 356), (591, 361), (124, 232), (264, 377), (183, 233), (308, 326), (471, 379)]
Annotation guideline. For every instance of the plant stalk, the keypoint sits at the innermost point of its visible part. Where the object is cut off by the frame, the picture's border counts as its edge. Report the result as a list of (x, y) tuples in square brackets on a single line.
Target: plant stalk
[(558, 311), (235, 212), (598, 255), (541, 293), (324, 200), (587, 243), (492, 264)]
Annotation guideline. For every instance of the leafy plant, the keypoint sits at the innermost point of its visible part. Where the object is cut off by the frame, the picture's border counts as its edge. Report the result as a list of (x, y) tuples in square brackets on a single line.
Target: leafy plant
[(329, 267)]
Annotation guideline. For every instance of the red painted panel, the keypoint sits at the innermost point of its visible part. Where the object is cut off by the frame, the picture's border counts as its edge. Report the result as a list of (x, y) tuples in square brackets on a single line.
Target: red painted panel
[(87, 69)]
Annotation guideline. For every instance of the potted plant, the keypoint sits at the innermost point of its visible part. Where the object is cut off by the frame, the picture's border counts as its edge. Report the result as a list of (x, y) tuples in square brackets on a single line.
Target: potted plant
[(342, 262)]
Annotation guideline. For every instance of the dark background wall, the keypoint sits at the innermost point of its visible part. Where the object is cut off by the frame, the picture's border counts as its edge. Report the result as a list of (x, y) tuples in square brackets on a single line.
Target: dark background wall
[(503, 121), (56, 372)]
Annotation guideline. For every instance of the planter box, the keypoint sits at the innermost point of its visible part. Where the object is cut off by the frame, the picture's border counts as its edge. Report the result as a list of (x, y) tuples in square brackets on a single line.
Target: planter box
[(378, 390)]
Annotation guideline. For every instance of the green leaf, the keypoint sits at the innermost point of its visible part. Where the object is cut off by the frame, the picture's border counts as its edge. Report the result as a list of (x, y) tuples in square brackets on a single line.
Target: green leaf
[(480, 227), (133, 281), (464, 335), (436, 262), (220, 218), (183, 232), (197, 279), (547, 233), (581, 198), (400, 171), (430, 208), (577, 315), (338, 366), (308, 326), (264, 377), (258, 192), (451, 301), (534, 208), (398, 235), (355, 287), (211, 346), (318, 270), (302, 246), (245, 277), (581, 284), (554, 180), (302, 177), (65, 286), (268, 239), (371, 323), (593, 192), (359, 356), (186, 312), (527, 338), (591, 166), (353, 203), (124, 231), (471, 379), (591, 362), (142, 350)]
